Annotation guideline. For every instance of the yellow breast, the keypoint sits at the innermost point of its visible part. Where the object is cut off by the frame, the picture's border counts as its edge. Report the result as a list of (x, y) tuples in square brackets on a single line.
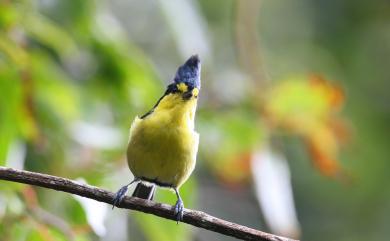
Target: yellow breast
[(163, 146)]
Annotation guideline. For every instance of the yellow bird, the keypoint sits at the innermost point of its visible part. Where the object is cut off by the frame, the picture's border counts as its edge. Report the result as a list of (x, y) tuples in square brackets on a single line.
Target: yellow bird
[(163, 143)]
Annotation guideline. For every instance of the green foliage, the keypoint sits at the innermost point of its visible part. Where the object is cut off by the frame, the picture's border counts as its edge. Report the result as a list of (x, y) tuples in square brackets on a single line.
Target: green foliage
[(9, 117), (58, 67), (74, 74)]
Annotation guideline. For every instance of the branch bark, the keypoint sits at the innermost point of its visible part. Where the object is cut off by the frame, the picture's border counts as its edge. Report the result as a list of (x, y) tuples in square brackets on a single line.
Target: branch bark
[(192, 217)]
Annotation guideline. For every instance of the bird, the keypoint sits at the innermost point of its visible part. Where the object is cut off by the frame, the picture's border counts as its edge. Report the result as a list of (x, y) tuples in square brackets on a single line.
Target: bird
[(163, 143)]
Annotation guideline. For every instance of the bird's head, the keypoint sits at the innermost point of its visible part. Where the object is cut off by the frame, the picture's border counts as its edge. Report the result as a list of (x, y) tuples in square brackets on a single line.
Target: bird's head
[(187, 79), (181, 95)]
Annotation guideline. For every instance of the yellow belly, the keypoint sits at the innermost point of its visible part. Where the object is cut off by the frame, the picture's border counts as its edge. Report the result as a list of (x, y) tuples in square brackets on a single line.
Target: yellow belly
[(161, 150)]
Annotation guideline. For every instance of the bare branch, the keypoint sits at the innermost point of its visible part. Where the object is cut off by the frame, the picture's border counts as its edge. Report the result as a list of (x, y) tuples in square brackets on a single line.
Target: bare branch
[(195, 218)]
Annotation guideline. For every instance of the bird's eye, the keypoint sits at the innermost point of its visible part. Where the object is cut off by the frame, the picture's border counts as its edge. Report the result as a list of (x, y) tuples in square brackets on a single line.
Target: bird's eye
[(187, 95)]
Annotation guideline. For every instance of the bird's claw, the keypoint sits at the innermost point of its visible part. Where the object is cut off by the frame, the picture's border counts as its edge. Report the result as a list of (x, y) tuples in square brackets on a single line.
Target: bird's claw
[(178, 212), (120, 194)]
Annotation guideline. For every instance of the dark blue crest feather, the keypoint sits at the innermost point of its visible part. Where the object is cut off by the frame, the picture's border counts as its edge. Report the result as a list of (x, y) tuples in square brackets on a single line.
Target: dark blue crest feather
[(189, 73)]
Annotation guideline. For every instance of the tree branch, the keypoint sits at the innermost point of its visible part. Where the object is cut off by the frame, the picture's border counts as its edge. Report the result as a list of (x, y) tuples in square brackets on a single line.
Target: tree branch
[(195, 218)]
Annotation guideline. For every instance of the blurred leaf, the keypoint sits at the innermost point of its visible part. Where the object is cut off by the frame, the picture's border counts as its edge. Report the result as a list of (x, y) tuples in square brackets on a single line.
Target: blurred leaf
[(49, 34), (19, 231), (15, 205), (299, 103), (10, 105), (72, 15), (15, 53), (323, 147), (70, 209), (42, 232), (54, 88), (227, 156), (307, 106), (56, 235), (8, 15), (123, 76)]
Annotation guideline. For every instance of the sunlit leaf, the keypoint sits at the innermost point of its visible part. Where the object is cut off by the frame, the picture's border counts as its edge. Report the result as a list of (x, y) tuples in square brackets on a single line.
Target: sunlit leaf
[(307, 106), (300, 103)]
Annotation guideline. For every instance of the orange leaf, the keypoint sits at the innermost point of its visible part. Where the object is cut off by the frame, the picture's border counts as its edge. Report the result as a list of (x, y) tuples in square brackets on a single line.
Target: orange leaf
[(323, 147)]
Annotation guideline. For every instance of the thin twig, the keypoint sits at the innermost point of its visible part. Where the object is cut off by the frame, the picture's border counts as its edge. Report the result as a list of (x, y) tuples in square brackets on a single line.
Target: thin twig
[(248, 42), (195, 218)]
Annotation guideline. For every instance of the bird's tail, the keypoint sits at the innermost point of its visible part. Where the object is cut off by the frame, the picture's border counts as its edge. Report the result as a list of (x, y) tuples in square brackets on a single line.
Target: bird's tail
[(144, 191)]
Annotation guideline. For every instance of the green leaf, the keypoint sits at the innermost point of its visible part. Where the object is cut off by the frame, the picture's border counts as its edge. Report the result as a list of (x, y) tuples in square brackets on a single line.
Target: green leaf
[(10, 105), (49, 33), (13, 52)]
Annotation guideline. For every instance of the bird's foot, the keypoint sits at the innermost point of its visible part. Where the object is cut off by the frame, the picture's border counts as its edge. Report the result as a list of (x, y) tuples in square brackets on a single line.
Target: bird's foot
[(120, 194), (179, 207)]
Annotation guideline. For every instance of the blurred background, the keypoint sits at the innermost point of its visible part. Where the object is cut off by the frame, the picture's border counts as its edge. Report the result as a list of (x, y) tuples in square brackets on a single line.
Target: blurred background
[(293, 114)]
